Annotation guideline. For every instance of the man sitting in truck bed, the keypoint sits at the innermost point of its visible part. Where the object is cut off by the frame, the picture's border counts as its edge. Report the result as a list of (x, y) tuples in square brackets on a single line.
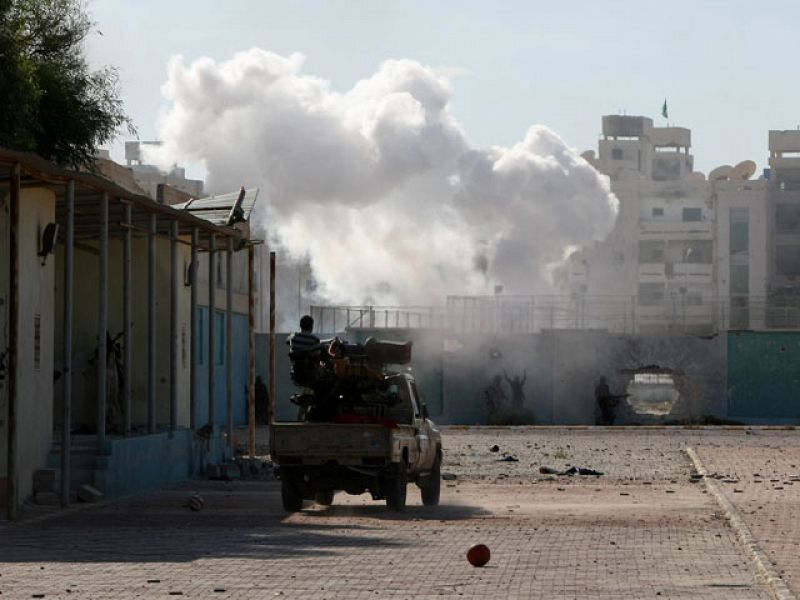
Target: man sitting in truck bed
[(304, 352)]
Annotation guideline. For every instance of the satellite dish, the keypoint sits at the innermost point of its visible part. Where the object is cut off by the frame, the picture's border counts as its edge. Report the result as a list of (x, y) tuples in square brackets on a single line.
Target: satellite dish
[(697, 176), (744, 170), (721, 173)]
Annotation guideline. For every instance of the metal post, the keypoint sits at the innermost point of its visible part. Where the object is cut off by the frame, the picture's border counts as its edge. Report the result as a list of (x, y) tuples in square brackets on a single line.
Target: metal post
[(193, 327), (127, 320), (151, 326), (173, 327), (66, 369), (102, 327), (212, 328), (271, 399), (251, 352), (13, 340), (229, 341)]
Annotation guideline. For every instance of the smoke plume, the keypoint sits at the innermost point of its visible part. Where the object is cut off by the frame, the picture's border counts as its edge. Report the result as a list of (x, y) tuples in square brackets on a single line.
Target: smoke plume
[(377, 187)]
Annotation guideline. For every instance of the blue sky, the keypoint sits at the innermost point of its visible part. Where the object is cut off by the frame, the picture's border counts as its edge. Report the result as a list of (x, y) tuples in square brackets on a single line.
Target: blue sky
[(728, 69)]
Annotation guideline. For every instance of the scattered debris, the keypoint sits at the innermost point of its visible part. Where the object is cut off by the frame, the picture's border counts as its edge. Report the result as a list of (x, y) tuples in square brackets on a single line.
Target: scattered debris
[(494, 448), (508, 458), (571, 471), (196, 502), (89, 493), (449, 476)]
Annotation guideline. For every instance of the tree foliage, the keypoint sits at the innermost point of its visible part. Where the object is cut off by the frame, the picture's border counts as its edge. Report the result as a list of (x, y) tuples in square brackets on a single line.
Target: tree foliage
[(51, 102)]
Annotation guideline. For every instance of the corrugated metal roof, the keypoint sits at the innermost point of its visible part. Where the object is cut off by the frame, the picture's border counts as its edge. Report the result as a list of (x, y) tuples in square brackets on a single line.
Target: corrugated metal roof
[(89, 190), (223, 209)]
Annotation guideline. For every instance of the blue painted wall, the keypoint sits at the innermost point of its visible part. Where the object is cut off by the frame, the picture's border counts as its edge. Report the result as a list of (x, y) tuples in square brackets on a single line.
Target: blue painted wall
[(239, 366), (148, 462), (764, 375)]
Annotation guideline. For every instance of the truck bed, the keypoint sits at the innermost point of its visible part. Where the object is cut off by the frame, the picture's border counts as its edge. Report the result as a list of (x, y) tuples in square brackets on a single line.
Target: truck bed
[(319, 443)]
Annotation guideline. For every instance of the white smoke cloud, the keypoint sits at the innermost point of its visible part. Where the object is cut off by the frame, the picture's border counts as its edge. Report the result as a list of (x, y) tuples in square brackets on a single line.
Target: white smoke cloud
[(377, 187)]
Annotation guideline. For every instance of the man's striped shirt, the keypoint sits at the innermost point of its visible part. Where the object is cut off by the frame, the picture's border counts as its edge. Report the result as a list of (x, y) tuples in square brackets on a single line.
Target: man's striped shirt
[(303, 341)]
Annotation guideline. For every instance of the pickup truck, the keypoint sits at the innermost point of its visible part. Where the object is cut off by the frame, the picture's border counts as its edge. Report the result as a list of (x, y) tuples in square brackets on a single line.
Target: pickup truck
[(379, 448)]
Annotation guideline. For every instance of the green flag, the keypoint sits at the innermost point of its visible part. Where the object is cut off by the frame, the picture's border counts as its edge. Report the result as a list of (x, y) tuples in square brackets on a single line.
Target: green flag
[(664, 112)]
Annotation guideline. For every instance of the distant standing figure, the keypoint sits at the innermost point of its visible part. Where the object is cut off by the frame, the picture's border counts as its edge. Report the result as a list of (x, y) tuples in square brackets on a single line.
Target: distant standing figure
[(605, 401), (517, 393), (262, 398), (495, 396)]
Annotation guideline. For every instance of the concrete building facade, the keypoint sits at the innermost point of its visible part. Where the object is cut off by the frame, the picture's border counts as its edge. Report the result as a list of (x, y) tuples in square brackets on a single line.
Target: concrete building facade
[(99, 372), (688, 253)]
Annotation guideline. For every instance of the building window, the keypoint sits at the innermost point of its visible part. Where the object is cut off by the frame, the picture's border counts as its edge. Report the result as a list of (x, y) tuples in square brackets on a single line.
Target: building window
[(651, 252), (658, 212), (740, 312), (692, 214), (739, 231), (787, 260), (787, 218), (690, 251), (694, 299), (740, 275), (651, 294), (740, 241), (37, 342), (616, 154)]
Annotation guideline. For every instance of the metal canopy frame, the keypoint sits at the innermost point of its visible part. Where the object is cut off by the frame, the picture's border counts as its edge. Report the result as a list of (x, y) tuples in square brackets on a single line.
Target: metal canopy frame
[(89, 191)]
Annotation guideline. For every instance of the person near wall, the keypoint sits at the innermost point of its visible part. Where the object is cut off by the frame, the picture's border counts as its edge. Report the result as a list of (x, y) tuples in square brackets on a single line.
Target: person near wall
[(517, 385), (262, 399), (605, 402)]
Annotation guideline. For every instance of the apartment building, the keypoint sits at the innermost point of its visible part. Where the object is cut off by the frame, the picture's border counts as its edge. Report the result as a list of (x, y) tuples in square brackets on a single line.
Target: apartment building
[(688, 252)]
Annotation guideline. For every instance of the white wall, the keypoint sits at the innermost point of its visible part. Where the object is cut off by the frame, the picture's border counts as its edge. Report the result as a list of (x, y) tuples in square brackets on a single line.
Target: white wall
[(34, 382)]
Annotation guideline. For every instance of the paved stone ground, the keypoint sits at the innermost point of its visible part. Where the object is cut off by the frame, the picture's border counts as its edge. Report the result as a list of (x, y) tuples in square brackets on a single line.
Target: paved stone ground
[(641, 531), (763, 483)]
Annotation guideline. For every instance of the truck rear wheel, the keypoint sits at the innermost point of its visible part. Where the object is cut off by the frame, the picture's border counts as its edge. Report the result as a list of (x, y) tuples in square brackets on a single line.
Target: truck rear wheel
[(432, 485), (396, 486), (290, 496), (324, 498)]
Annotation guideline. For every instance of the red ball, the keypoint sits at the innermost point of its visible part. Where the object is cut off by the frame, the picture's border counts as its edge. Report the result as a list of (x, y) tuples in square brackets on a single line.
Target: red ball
[(478, 555)]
